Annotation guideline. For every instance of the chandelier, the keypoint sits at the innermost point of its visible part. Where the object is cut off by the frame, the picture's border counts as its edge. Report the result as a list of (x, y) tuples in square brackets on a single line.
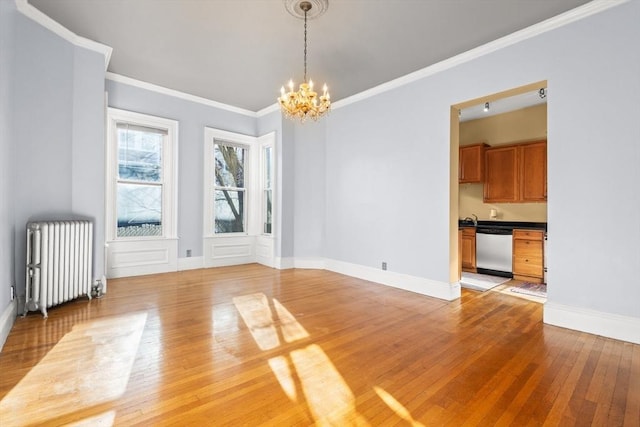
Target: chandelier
[(304, 103)]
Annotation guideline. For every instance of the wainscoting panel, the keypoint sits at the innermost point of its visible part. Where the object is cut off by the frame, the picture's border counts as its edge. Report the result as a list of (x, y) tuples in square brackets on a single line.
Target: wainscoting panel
[(264, 250), (220, 251), (135, 258)]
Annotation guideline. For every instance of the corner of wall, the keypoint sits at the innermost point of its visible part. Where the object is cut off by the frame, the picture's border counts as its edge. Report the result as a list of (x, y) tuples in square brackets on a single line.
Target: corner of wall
[(608, 325), (7, 319)]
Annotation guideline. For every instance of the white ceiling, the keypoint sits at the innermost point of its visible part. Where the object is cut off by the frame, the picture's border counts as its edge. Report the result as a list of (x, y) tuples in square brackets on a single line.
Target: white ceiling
[(239, 52)]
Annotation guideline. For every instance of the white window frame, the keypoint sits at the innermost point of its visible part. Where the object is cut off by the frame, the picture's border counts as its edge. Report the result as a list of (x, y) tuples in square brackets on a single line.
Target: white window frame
[(130, 256), (267, 141), (241, 247)]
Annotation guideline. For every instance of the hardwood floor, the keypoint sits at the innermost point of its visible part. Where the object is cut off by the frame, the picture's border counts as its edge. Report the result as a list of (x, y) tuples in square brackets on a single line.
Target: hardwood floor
[(249, 345)]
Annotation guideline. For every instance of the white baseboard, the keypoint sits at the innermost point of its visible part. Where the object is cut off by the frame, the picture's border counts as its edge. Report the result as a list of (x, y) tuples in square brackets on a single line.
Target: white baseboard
[(284, 263), (190, 263), (7, 319), (415, 284), (608, 325), (310, 263)]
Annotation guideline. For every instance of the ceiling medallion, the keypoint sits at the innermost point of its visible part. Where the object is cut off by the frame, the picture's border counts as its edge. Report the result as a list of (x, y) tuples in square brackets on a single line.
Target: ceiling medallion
[(305, 103), (318, 8)]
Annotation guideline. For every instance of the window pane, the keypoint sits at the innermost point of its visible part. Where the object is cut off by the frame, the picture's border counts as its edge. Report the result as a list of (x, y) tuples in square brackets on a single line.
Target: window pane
[(139, 210), (267, 213), (139, 154), (229, 163), (229, 211), (267, 167)]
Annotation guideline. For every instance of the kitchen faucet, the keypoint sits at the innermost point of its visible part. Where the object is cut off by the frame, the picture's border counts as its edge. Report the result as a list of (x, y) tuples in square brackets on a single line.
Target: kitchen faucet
[(474, 219)]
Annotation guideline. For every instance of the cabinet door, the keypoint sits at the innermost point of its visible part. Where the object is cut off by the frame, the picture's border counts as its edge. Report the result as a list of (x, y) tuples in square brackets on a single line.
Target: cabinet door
[(528, 255), (501, 174), (468, 249), (533, 169), (527, 258), (471, 168)]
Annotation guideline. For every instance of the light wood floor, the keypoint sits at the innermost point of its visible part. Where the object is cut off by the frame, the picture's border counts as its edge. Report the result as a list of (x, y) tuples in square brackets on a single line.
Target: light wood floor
[(250, 345)]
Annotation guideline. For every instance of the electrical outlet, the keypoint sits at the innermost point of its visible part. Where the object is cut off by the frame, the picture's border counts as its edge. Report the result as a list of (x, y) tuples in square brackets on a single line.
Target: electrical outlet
[(13, 292), (188, 253), (384, 265)]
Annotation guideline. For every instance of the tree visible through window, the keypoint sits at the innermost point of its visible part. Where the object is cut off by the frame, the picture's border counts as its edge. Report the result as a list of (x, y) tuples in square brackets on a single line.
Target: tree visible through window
[(229, 188)]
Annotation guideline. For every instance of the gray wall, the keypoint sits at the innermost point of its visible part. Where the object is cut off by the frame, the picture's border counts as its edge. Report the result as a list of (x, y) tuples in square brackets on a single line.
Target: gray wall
[(7, 194), (309, 189), (57, 135), (387, 162)]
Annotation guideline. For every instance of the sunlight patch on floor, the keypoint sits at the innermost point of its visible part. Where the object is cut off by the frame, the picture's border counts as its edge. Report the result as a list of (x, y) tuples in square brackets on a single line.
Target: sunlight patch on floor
[(292, 330), (328, 396), (306, 371), (396, 406), (105, 419), (87, 368), (280, 367), (256, 313)]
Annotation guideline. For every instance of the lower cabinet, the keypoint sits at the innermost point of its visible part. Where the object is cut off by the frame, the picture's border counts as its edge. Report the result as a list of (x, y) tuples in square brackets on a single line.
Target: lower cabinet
[(528, 255), (468, 244)]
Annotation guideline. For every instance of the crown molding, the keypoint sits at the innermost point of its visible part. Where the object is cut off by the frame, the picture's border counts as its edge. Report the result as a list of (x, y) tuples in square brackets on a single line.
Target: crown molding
[(35, 15), (580, 12), (176, 94), (268, 110)]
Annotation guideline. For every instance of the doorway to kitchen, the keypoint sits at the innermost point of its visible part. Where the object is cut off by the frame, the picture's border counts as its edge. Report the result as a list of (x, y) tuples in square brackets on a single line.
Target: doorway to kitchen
[(499, 192)]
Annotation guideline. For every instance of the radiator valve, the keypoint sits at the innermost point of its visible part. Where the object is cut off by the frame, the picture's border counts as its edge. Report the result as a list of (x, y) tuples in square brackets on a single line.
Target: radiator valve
[(96, 289)]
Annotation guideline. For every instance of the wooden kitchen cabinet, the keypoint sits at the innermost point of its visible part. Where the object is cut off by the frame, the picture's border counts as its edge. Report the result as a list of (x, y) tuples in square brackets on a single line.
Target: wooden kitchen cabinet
[(533, 172), (468, 245), (528, 255), (516, 173), (501, 174), (471, 166)]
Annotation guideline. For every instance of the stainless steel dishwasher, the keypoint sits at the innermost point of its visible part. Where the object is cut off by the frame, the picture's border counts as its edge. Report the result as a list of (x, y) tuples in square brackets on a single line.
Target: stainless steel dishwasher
[(494, 249)]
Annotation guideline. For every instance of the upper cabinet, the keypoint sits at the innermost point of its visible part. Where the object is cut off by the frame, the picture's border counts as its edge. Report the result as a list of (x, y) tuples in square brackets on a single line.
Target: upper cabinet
[(533, 172), (516, 173), (501, 183), (471, 167)]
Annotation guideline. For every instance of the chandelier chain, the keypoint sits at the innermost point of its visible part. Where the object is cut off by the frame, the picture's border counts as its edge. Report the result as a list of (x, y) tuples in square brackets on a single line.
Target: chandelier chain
[(305, 45)]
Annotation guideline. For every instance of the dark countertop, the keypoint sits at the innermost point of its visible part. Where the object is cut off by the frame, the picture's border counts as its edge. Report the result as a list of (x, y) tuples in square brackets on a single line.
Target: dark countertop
[(506, 224)]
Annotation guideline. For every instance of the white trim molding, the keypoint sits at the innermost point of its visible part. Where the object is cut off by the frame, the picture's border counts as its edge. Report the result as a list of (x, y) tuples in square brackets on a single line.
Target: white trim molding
[(35, 15), (176, 94), (136, 258), (420, 285), (7, 319), (310, 263), (558, 21), (608, 325), (284, 263), (190, 263)]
